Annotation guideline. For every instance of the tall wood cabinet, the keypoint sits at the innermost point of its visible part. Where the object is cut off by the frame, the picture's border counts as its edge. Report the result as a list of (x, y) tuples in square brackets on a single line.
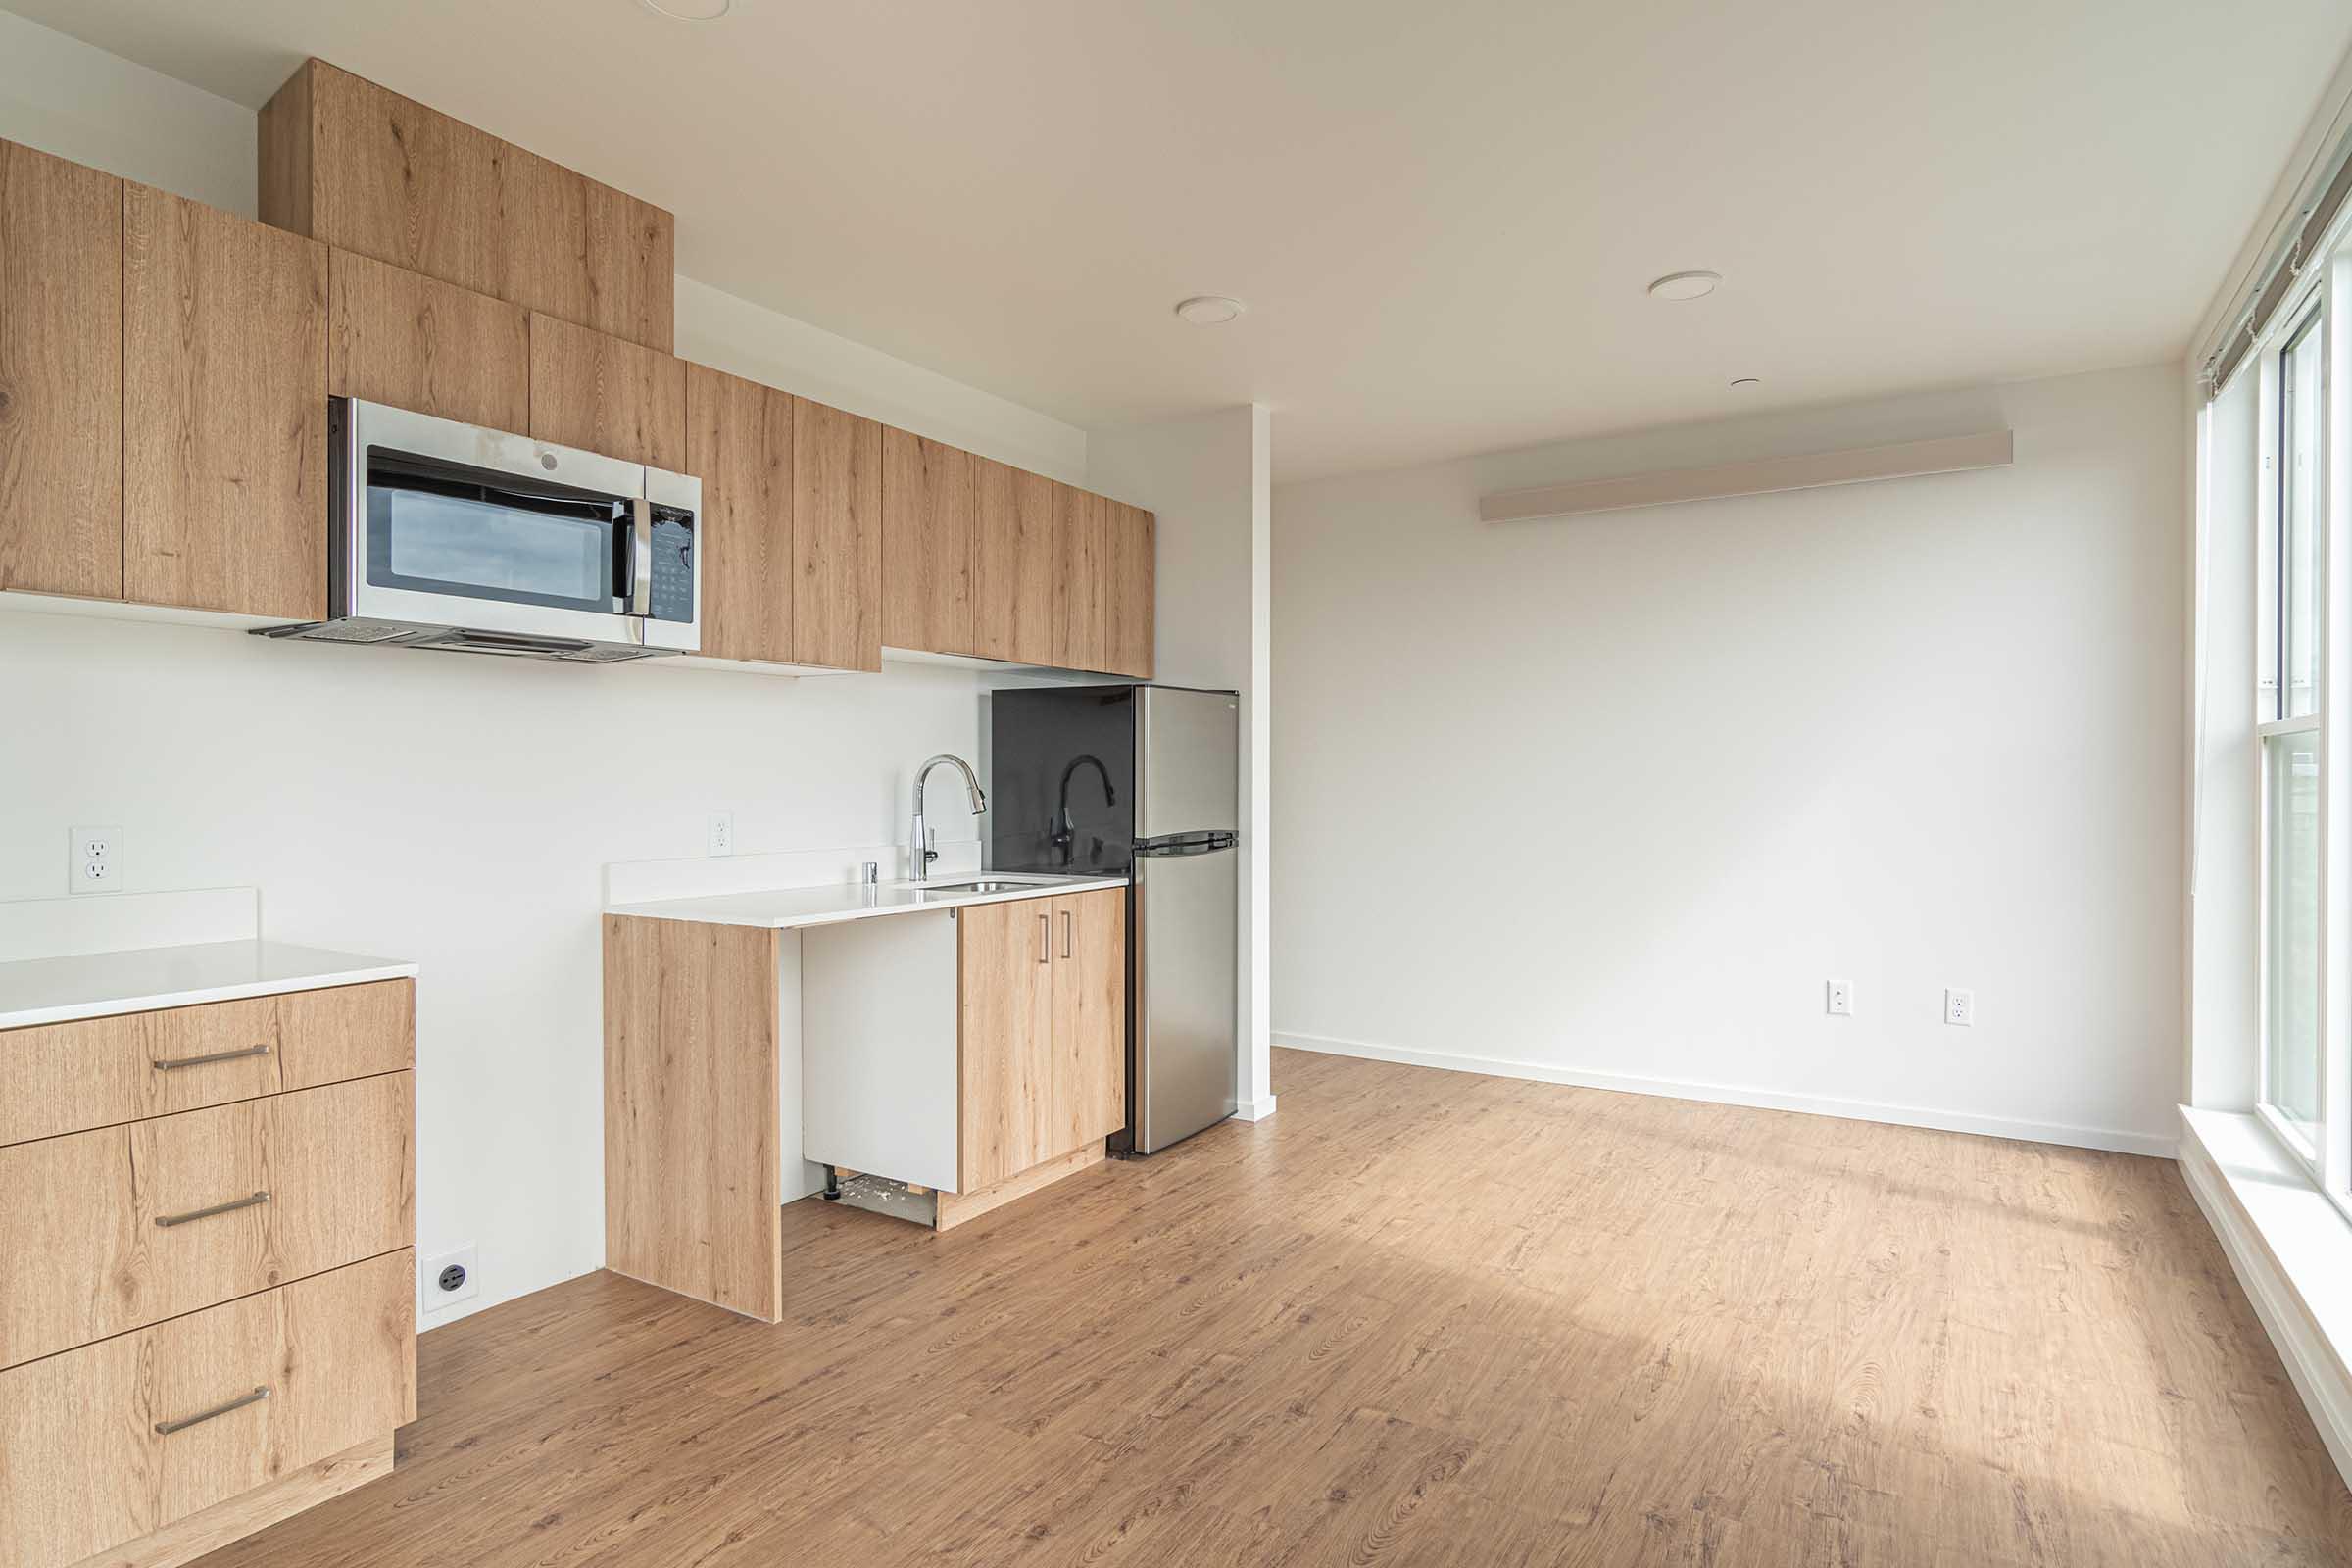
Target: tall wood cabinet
[(61, 377), (223, 411), (739, 442), (1017, 554), (929, 499), (836, 538)]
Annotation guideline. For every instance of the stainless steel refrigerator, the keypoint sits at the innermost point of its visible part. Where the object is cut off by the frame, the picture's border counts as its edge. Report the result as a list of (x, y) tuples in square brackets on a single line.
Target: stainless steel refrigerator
[(1143, 781)]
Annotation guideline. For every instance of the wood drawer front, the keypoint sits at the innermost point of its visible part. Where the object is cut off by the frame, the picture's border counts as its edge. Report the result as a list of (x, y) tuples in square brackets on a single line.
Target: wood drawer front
[(95, 1072), (86, 1469), (82, 1255)]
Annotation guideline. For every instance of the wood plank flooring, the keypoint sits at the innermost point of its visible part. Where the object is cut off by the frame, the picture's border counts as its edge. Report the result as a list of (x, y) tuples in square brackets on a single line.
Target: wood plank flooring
[(1416, 1318)]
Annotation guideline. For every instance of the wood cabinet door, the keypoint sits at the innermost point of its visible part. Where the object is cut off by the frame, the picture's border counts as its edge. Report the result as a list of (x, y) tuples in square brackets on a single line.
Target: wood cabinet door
[(179, 1213), (223, 412), (602, 395), (1089, 1093), (1005, 1028), (1015, 559), (413, 342), (87, 1469), (1082, 579), (738, 441), (928, 502), (836, 538), (61, 377), (1134, 555)]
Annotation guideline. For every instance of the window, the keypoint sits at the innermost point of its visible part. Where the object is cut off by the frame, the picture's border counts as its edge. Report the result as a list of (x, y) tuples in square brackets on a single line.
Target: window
[(2293, 1042)]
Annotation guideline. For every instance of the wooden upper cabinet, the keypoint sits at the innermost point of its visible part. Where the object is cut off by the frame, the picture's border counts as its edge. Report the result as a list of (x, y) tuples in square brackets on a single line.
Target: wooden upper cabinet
[(414, 342), (1082, 579), (367, 170), (61, 377), (1016, 559), (1133, 578), (223, 412), (836, 538), (738, 441), (607, 396), (928, 501)]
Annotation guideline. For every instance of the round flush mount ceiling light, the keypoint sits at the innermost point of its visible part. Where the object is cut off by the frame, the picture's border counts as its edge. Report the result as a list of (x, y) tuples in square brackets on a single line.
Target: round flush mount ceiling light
[(1685, 285), (689, 9), (1208, 310)]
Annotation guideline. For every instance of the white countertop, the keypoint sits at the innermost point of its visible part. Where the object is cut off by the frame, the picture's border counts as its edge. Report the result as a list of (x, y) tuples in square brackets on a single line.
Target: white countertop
[(785, 908), (93, 984)]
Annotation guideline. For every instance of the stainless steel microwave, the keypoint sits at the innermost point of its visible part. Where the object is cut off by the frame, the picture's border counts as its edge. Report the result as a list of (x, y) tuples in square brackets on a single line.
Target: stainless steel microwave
[(451, 537)]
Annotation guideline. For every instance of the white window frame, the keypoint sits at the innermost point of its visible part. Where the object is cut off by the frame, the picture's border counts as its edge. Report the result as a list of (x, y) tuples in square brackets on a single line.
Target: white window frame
[(2322, 308)]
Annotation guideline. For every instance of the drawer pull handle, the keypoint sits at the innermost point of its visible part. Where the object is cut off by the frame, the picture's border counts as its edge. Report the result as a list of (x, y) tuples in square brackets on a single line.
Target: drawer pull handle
[(167, 1221), (164, 1428), (175, 1063)]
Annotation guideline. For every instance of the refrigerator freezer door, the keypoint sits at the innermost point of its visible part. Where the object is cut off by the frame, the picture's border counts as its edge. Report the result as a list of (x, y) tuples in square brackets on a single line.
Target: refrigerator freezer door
[(1187, 760), (1183, 995)]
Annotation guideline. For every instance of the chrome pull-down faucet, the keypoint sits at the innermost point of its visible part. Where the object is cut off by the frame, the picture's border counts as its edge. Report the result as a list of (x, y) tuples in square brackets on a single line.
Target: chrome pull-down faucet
[(919, 852)]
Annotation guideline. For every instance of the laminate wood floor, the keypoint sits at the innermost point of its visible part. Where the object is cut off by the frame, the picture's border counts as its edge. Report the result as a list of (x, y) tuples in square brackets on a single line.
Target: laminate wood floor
[(1416, 1318)]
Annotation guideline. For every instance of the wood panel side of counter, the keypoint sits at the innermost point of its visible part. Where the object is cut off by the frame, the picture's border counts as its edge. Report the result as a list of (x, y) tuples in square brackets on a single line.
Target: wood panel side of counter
[(692, 1026)]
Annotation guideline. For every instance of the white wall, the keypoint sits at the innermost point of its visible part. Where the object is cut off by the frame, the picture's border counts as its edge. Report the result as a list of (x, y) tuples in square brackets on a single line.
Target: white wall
[(1609, 799), (450, 810), (1206, 479)]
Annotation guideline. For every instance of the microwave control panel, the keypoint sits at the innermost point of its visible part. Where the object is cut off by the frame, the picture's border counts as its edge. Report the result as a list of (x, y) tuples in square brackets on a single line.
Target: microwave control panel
[(673, 565)]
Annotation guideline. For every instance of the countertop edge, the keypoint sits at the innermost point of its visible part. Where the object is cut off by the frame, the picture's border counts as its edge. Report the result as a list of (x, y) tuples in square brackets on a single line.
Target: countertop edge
[(697, 910), (197, 996)]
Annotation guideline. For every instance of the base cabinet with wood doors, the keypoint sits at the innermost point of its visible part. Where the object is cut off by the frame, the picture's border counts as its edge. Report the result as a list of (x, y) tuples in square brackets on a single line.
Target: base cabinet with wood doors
[(971, 1054), (207, 1269), (974, 1053)]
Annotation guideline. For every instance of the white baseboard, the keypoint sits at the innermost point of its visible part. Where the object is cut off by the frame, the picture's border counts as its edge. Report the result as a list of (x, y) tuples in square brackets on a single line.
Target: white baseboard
[(2317, 1371), (1254, 1109), (2120, 1141)]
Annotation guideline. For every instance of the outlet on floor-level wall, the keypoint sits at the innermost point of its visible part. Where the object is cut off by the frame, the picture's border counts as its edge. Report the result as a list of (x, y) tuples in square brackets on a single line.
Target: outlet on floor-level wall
[(446, 1279), (94, 860)]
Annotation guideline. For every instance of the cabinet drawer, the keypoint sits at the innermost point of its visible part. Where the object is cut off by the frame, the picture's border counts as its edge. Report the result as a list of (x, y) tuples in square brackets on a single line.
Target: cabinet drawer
[(110, 1230), (94, 1072), (87, 1468)]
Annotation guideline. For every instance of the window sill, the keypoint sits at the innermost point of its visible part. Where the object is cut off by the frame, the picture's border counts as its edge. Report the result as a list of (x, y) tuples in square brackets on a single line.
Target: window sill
[(2292, 1248)]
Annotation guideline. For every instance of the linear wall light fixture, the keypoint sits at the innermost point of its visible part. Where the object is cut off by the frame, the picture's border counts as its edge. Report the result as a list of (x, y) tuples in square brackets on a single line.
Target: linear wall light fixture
[(1905, 460)]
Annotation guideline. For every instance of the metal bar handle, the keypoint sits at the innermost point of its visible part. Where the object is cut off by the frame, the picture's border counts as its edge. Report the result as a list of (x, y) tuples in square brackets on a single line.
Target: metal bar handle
[(167, 1221), (641, 556), (1044, 939), (1066, 933), (175, 1063), (164, 1428)]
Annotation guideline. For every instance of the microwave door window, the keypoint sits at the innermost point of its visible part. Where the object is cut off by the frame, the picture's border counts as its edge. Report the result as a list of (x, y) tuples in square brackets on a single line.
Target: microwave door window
[(488, 547)]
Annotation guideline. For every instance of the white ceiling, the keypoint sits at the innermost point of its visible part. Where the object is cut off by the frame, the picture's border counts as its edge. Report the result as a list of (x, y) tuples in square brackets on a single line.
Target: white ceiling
[(1441, 216)]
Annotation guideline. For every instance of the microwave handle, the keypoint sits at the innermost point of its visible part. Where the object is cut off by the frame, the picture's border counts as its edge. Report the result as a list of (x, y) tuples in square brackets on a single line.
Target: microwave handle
[(641, 558)]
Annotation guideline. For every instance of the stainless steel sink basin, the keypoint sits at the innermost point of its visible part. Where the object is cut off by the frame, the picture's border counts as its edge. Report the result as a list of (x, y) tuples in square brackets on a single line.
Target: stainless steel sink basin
[(986, 886)]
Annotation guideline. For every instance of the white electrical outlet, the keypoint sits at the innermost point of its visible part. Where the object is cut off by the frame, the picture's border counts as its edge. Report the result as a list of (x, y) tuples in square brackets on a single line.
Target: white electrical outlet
[(723, 832), (94, 860), (1841, 999), (1959, 1007), (446, 1279)]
